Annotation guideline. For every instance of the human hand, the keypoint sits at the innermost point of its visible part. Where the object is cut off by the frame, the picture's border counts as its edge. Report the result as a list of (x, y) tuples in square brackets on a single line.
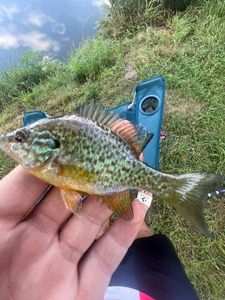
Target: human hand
[(53, 254)]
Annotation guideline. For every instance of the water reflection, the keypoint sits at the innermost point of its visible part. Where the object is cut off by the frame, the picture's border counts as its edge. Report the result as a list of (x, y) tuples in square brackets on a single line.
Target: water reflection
[(49, 26)]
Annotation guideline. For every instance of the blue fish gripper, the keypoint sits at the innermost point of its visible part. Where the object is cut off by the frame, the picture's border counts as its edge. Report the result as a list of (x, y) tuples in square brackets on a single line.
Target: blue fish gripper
[(146, 109)]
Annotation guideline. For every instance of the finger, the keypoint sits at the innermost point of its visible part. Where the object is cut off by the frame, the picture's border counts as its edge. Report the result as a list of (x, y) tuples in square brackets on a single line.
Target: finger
[(109, 250), (81, 230), (103, 229), (144, 231), (145, 198), (51, 213), (18, 192)]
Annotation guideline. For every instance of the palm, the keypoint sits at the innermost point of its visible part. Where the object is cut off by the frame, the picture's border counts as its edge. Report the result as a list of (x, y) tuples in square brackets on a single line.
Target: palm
[(31, 260), (47, 255)]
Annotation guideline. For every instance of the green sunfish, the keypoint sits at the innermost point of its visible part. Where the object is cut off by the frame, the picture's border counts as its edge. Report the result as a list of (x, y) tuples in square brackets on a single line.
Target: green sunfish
[(93, 152)]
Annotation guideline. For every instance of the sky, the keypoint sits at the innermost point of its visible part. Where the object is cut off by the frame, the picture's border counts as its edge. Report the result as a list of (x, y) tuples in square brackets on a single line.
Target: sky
[(51, 26)]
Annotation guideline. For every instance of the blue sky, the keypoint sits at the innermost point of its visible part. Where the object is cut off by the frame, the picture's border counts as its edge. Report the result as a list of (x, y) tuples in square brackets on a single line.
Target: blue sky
[(50, 26)]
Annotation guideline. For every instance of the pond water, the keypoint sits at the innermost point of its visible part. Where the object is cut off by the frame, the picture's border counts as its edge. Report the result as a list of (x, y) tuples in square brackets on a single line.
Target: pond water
[(51, 26)]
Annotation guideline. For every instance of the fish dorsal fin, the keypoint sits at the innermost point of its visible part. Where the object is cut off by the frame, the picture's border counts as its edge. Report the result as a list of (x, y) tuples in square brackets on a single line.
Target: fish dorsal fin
[(97, 113), (135, 135)]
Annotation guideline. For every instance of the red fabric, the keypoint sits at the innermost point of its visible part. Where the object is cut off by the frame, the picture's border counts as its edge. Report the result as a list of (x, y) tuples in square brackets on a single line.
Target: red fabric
[(145, 297)]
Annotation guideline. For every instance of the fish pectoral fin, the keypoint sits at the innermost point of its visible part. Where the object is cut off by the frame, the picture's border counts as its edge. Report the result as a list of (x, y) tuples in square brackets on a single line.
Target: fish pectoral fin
[(119, 203), (71, 199)]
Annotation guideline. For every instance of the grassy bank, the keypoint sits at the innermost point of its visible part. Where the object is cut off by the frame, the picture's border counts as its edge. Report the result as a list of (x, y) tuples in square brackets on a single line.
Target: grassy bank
[(188, 49)]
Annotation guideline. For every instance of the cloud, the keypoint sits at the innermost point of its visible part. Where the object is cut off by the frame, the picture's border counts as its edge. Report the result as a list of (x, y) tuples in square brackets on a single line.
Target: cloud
[(8, 40), (35, 18), (59, 28), (100, 3), (8, 11), (34, 40), (39, 41), (38, 19)]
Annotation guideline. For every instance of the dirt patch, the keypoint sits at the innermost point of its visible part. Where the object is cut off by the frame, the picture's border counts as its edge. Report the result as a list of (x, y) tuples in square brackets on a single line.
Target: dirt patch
[(163, 30), (176, 104), (130, 73)]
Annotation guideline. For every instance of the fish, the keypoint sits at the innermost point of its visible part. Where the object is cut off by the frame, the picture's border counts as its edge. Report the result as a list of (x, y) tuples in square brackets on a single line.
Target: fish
[(93, 152)]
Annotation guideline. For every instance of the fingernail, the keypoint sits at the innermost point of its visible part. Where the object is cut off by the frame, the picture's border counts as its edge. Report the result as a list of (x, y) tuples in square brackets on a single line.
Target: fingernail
[(145, 198)]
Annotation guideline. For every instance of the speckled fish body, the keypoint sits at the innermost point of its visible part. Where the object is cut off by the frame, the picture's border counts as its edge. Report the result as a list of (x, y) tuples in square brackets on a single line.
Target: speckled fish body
[(88, 159), (87, 153)]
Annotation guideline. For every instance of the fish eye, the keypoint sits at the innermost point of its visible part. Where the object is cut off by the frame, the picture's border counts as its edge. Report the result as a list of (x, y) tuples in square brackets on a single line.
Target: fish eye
[(56, 144), (20, 136)]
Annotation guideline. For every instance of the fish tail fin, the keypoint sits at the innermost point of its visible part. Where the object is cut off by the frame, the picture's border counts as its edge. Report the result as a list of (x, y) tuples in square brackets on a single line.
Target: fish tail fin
[(188, 194)]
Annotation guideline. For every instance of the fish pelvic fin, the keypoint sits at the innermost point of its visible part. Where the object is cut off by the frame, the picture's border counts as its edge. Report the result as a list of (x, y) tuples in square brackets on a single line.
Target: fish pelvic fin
[(71, 199), (188, 194)]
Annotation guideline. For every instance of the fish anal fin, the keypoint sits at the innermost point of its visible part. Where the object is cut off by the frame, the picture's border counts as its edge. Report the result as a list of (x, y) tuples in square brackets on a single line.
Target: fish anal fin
[(71, 199), (119, 203)]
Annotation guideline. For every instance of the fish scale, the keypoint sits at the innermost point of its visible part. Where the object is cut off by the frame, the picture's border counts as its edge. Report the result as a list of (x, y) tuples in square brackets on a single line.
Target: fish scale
[(94, 152)]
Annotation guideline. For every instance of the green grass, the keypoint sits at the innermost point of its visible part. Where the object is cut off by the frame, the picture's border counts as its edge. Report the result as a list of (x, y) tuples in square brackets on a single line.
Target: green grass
[(126, 16), (189, 51), (18, 81), (90, 60)]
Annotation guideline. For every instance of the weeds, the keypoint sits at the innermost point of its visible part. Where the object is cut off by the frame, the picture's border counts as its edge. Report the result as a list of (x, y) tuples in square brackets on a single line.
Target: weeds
[(94, 56), (179, 5), (20, 80), (128, 16)]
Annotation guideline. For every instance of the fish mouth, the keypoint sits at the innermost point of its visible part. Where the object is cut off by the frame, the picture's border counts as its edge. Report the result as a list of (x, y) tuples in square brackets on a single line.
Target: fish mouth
[(4, 142), (7, 145)]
